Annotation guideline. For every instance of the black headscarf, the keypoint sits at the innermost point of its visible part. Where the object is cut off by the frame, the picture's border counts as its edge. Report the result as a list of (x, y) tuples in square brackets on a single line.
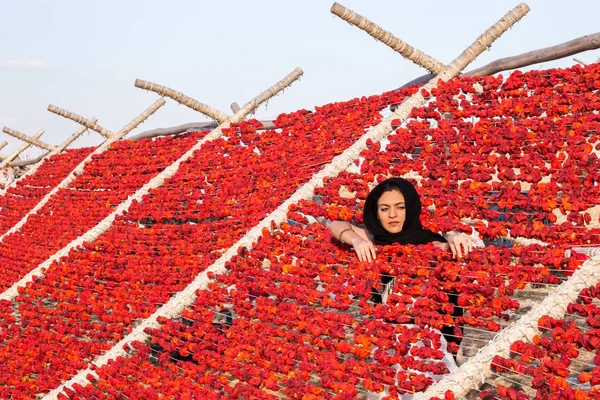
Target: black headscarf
[(412, 231)]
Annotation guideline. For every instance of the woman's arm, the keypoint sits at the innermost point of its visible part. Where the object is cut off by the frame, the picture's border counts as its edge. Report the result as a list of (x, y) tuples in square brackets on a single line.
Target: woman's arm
[(357, 237)]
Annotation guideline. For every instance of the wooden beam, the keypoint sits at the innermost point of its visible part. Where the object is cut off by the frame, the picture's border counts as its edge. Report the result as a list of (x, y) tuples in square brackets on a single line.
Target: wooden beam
[(572, 47), (198, 126), (387, 38), (174, 130), (29, 161), (27, 139), (81, 120), (245, 110), (58, 149), (3, 145), (235, 107), (182, 99), (584, 43), (21, 149)]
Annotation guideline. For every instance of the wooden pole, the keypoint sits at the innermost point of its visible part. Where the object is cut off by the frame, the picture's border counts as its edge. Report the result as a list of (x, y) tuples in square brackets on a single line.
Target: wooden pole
[(486, 38), (81, 120), (21, 149), (198, 126), (387, 38), (58, 149), (584, 43), (29, 161), (212, 113), (3, 145), (235, 107), (174, 130), (25, 138), (182, 99), (575, 46)]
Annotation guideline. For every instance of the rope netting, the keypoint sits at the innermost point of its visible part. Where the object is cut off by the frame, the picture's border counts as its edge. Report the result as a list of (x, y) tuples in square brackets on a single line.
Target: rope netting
[(295, 314)]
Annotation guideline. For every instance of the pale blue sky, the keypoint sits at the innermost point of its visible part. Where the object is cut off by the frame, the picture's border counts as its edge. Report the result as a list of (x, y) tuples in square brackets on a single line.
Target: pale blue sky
[(85, 55)]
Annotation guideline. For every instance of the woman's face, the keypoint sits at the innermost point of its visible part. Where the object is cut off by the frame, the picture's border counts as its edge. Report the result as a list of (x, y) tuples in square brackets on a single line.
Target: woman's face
[(391, 211)]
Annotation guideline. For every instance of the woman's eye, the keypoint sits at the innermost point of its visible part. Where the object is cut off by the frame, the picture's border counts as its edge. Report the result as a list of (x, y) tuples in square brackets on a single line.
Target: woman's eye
[(401, 207), (383, 209)]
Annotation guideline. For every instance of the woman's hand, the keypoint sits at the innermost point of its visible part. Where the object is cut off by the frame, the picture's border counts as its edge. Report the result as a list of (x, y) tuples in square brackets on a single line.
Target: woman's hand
[(357, 237), (460, 244), (365, 250)]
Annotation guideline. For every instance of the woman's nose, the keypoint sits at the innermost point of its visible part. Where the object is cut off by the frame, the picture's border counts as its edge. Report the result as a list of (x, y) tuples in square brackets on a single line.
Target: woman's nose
[(392, 212)]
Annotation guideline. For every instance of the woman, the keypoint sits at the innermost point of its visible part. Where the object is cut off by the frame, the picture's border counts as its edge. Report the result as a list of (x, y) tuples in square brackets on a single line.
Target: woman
[(392, 215)]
